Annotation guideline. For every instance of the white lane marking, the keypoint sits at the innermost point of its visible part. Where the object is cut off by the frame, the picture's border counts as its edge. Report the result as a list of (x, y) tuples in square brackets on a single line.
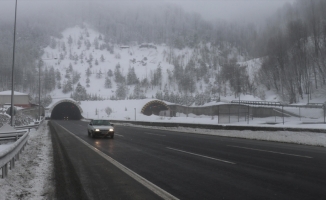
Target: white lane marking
[(269, 151), (154, 134), (119, 135), (201, 155), (151, 186)]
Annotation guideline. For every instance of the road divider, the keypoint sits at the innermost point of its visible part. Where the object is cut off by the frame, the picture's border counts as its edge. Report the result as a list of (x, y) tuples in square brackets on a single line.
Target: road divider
[(219, 127)]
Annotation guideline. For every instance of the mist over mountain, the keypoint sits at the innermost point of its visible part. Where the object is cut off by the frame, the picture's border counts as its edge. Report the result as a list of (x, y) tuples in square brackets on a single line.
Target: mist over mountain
[(291, 46)]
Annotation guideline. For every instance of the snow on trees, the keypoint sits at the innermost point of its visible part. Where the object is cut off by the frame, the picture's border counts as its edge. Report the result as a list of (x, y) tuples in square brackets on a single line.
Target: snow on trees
[(108, 83), (121, 92), (80, 93), (119, 78), (132, 77)]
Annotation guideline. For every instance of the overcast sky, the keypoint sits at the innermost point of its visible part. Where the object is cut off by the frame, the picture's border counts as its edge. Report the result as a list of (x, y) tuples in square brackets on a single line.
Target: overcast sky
[(245, 10), (230, 10)]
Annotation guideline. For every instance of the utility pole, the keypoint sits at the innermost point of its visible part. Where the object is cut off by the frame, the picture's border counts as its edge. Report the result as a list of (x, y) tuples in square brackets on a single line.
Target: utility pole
[(12, 73), (39, 90)]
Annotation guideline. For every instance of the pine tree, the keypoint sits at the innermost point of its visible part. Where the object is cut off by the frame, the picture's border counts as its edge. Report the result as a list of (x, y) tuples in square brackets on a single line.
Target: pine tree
[(53, 43), (63, 46), (119, 78), (70, 68), (52, 79), (79, 93), (87, 44), (137, 91), (79, 43), (132, 77), (67, 86), (121, 91), (88, 72), (75, 77), (166, 96), (90, 59), (70, 40), (110, 73), (67, 76), (102, 58), (108, 83), (96, 44), (87, 82), (59, 85), (99, 74)]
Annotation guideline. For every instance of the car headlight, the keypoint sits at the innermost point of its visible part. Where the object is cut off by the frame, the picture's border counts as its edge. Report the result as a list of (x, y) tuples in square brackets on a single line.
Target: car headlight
[(111, 129), (97, 129)]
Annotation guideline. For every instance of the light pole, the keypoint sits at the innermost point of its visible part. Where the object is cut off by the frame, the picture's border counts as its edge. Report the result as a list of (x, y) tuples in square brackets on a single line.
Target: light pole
[(39, 89), (135, 114), (12, 73)]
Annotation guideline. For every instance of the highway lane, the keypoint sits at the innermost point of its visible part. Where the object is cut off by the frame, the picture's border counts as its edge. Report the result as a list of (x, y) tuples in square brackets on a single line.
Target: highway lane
[(191, 166)]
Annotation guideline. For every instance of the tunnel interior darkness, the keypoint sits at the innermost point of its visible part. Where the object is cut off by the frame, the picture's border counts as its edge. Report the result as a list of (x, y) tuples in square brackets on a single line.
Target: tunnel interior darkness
[(66, 109)]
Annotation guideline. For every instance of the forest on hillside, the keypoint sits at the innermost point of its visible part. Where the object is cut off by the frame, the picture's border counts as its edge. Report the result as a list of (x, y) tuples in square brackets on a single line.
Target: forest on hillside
[(292, 45)]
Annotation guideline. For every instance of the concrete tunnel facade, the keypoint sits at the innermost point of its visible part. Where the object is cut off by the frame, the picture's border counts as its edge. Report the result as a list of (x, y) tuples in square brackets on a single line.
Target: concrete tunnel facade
[(154, 108), (70, 109), (66, 108)]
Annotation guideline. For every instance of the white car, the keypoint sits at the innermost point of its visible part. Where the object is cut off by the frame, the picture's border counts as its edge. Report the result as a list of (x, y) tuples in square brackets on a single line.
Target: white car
[(100, 127)]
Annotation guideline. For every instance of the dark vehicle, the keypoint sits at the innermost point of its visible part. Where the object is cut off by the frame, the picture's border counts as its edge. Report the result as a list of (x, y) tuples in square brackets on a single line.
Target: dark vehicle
[(100, 127)]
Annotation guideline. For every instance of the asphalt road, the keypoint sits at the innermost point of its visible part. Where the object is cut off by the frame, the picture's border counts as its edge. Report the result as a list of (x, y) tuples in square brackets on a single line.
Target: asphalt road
[(192, 166)]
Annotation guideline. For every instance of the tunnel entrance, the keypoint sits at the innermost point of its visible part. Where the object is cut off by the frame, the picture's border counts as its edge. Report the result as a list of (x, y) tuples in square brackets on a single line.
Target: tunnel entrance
[(66, 110), (154, 108)]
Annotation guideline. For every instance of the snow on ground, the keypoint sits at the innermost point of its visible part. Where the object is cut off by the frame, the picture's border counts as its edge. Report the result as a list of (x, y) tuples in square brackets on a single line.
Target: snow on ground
[(3, 147), (32, 176), (306, 138)]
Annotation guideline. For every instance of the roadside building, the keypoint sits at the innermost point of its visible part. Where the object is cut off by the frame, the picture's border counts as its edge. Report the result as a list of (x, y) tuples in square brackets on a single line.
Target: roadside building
[(20, 99)]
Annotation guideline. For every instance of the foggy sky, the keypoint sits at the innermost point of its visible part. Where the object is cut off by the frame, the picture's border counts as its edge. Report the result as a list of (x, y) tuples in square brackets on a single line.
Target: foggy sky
[(229, 10), (232, 10)]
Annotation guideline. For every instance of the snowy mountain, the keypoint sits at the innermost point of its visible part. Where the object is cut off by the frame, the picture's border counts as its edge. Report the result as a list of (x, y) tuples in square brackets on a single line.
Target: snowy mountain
[(104, 70)]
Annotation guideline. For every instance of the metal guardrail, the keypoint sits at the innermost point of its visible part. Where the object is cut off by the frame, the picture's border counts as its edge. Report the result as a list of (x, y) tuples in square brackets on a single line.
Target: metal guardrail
[(275, 103), (12, 135), (261, 103), (10, 155), (28, 126), (218, 127)]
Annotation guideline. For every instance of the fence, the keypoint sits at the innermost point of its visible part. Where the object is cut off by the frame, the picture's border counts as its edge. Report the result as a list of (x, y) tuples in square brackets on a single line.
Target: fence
[(234, 113), (272, 115), (260, 112)]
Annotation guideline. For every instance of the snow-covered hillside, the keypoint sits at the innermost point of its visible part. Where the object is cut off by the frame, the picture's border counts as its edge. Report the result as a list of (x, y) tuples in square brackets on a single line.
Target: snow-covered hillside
[(100, 60), (82, 50)]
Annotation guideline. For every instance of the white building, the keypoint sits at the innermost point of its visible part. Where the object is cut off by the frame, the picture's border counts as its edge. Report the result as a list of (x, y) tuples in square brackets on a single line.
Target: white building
[(20, 99)]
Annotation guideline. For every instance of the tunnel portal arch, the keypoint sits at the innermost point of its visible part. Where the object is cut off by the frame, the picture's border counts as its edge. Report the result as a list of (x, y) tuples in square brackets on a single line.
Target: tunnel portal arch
[(66, 108), (154, 107)]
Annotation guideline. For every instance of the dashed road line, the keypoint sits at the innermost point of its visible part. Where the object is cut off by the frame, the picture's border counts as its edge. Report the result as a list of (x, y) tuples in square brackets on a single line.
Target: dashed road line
[(269, 151), (187, 152)]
